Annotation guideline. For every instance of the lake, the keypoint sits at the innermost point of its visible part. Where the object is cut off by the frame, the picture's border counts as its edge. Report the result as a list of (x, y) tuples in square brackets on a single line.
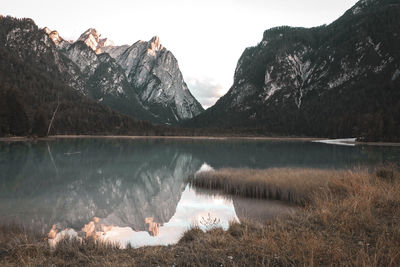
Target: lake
[(135, 191)]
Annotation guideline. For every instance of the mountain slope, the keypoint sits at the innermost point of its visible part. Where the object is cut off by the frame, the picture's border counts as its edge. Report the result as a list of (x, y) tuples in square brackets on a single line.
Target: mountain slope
[(142, 80), (337, 80), (36, 78), (154, 72), (105, 81)]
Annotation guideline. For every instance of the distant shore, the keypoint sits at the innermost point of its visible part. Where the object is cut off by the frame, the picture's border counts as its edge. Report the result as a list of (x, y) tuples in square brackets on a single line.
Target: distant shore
[(266, 138), (54, 137)]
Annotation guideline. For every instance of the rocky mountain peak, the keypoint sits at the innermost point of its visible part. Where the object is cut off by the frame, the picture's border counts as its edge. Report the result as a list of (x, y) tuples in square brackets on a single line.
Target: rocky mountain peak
[(47, 30), (54, 36), (90, 33), (154, 45), (153, 71), (362, 4), (106, 42), (91, 38)]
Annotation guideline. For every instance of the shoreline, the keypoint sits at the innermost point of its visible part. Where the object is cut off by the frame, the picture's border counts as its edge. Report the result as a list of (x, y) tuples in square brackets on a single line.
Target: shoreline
[(127, 137), (133, 137)]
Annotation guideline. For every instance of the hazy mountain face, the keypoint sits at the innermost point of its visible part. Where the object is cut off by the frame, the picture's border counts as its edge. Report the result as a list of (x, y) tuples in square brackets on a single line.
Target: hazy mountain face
[(336, 80)]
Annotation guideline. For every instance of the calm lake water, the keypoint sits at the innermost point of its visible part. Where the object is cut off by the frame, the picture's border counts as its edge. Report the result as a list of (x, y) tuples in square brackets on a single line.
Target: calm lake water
[(135, 191)]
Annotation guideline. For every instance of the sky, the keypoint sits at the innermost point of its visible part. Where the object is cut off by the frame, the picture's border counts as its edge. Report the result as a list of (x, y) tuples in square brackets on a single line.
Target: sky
[(206, 36)]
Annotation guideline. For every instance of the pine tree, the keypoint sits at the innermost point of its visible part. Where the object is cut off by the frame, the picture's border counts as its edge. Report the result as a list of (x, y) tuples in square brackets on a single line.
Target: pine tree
[(17, 118)]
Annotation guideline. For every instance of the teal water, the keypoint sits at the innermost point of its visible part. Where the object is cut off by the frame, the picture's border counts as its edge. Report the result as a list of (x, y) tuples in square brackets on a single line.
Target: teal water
[(137, 188)]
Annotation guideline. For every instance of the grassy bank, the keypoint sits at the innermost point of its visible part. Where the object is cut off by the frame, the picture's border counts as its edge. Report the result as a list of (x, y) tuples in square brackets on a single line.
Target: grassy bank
[(296, 186), (347, 218)]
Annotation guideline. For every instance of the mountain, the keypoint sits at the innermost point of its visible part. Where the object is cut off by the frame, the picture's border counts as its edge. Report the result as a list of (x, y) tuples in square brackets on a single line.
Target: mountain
[(154, 72), (79, 88), (336, 80), (92, 39), (38, 82), (105, 80), (142, 80)]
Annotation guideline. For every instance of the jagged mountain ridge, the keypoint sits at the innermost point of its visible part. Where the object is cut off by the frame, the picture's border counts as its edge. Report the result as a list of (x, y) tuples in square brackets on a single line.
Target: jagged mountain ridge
[(149, 86), (337, 80), (36, 79), (154, 71), (92, 39), (105, 81)]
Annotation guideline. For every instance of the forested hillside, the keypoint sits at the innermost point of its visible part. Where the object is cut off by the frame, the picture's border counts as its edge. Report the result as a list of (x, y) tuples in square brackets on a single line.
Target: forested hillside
[(337, 80), (29, 96)]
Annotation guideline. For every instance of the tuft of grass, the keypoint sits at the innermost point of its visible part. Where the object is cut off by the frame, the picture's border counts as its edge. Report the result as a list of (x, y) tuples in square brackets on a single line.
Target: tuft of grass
[(387, 172), (351, 219), (191, 235)]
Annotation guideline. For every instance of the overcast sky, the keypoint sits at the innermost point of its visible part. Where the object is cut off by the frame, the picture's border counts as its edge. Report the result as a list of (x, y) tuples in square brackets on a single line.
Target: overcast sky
[(206, 36)]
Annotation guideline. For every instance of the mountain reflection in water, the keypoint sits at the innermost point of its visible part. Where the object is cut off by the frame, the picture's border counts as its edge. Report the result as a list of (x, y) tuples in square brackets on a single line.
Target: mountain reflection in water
[(119, 183), (192, 210), (137, 189)]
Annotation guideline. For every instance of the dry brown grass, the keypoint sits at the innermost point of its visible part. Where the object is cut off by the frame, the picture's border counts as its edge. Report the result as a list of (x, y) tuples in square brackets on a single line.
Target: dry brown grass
[(352, 218), (293, 185)]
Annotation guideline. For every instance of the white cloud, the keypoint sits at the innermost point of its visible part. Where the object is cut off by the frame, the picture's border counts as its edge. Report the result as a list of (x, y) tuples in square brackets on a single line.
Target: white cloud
[(206, 91)]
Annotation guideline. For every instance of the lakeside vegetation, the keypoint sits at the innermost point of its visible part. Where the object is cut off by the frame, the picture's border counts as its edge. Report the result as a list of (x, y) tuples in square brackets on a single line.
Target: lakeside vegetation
[(347, 218), (297, 186)]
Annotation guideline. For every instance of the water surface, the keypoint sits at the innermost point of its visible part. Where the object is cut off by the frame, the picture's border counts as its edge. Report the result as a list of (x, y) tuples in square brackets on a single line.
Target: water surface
[(135, 191)]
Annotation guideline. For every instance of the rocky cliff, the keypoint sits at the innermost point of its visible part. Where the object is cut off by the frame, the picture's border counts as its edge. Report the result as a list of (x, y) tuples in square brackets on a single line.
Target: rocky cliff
[(154, 72), (93, 39), (336, 80), (142, 80), (106, 82)]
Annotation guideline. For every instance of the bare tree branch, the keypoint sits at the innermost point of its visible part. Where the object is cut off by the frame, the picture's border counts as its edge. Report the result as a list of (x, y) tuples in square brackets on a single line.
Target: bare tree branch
[(54, 115)]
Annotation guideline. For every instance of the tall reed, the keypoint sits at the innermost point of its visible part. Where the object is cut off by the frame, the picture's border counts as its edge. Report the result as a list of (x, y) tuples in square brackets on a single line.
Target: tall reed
[(288, 184)]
